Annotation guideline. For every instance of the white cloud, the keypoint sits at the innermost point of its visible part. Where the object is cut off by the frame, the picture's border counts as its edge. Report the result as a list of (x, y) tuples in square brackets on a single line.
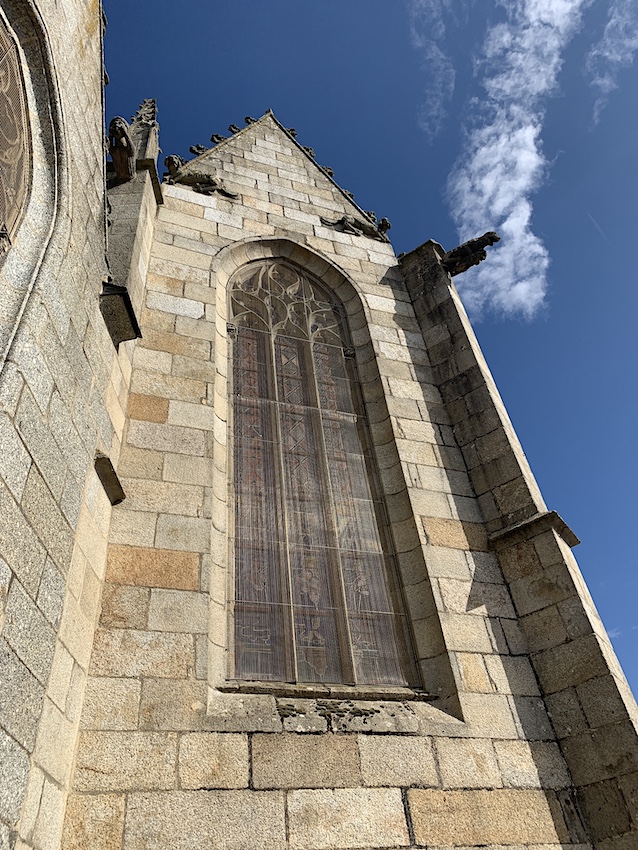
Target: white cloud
[(615, 50), (427, 32), (502, 163)]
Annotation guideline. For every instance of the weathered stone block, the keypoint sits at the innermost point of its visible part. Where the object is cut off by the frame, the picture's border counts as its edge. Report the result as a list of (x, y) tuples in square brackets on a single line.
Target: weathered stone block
[(124, 761), (305, 761), (465, 818), (111, 704), (124, 652), (142, 566), (169, 704), (178, 611), (148, 407), (15, 770), (467, 763), (210, 760), (361, 817), (95, 821), (242, 713), (397, 760), (124, 606), (168, 821), (455, 534), (21, 698)]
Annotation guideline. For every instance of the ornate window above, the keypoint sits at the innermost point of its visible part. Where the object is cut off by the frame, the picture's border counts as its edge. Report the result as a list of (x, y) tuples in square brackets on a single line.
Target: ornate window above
[(316, 595), (14, 140)]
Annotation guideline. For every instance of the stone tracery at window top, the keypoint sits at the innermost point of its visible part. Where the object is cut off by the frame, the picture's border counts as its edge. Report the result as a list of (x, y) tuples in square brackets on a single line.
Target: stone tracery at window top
[(316, 596), (14, 140)]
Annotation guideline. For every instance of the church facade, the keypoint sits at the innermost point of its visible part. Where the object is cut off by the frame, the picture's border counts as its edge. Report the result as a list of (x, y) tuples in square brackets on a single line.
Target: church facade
[(274, 569)]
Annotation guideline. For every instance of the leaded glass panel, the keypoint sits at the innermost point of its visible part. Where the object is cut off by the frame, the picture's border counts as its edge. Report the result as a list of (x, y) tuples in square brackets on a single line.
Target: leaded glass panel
[(316, 595)]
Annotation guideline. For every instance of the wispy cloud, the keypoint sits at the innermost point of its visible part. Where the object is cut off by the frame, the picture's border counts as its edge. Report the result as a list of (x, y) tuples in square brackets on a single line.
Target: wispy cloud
[(502, 165), (616, 50), (614, 633), (428, 27)]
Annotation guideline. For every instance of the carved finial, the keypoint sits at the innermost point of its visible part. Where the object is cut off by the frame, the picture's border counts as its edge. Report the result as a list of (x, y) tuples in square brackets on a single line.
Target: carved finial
[(292, 132), (234, 128), (198, 150), (146, 112), (216, 138), (309, 151), (122, 149), (331, 173), (469, 254), (250, 120)]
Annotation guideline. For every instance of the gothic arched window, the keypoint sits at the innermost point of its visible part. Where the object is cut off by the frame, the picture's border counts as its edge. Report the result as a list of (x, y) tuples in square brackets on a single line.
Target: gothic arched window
[(14, 139), (316, 595)]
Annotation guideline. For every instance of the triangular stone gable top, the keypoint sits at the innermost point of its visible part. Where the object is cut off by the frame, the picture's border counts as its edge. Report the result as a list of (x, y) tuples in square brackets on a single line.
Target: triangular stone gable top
[(267, 153)]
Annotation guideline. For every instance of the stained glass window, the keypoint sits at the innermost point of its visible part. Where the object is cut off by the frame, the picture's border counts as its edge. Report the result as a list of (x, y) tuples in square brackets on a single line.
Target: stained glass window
[(14, 140), (316, 596)]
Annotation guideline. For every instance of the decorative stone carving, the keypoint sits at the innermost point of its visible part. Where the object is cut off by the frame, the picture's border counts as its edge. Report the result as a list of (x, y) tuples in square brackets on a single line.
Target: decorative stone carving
[(309, 151), (122, 149), (146, 112), (216, 138), (198, 150), (350, 224), (292, 132), (233, 128), (204, 184), (469, 254), (330, 172), (250, 120)]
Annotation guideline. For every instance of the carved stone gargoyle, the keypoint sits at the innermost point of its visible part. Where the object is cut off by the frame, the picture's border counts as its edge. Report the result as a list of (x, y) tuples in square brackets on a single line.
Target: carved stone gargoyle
[(204, 184), (122, 149), (469, 254), (370, 228)]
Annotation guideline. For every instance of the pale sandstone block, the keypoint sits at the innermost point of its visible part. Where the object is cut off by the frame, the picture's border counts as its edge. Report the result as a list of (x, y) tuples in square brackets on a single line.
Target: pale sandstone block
[(193, 368), (166, 438), (174, 342), (187, 534), (190, 415), (242, 713), (124, 761), (178, 611), (188, 470), (48, 826), (168, 386), (55, 742), (361, 817), (144, 566), (111, 704), (95, 821), (247, 820), (538, 764), (512, 675), (467, 763), (126, 653), (213, 760), (140, 463), (151, 360), (488, 715), (124, 606), (397, 760), (308, 761), (132, 528), (173, 704), (177, 306), (474, 673), (163, 497), (455, 534), (60, 678), (465, 633), (466, 818), (181, 256)]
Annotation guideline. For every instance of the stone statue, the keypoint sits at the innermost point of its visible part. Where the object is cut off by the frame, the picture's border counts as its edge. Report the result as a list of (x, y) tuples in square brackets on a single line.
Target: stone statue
[(469, 254), (204, 184), (122, 149), (350, 224)]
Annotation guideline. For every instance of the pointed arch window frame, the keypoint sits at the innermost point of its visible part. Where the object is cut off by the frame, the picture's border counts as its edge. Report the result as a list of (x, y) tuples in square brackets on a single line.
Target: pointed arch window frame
[(318, 614)]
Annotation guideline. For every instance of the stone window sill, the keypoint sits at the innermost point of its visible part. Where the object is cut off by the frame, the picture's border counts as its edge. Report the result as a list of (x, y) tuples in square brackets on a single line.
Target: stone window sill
[(340, 692)]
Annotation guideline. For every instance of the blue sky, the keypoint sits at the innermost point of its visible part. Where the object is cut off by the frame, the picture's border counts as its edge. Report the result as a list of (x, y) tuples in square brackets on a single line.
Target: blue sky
[(453, 117)]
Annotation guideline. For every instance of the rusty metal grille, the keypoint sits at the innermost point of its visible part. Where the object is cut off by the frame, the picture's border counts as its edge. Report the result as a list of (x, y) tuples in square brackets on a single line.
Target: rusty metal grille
[(14, 140), (316, 591)]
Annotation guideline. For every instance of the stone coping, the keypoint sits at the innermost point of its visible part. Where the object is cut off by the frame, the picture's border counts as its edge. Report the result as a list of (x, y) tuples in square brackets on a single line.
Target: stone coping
[(354, 692), (532, 526)]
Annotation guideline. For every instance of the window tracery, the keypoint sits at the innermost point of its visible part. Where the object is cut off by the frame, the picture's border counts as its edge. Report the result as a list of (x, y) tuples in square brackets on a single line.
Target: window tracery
[(14, 140), (316, 595)]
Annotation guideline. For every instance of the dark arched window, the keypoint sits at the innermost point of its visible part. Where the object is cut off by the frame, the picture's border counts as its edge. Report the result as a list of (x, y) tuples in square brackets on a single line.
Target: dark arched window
[(14, 140), (316, 596)]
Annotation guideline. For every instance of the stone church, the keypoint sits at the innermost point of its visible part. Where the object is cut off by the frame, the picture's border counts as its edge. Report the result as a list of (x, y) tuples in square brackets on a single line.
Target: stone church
[(274, 570)]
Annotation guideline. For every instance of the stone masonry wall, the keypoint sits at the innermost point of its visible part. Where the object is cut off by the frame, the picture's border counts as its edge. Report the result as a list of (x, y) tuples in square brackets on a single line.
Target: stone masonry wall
[(58, 366), (171, 753)]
